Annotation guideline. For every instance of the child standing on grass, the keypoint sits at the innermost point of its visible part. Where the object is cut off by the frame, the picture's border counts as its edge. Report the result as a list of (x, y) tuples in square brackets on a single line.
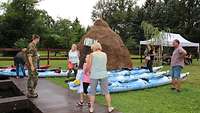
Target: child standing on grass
[(85, 84)]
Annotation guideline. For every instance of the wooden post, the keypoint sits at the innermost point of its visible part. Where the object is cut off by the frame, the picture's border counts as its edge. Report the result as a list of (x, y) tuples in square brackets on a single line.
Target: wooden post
[(198, 50), (48, 55)]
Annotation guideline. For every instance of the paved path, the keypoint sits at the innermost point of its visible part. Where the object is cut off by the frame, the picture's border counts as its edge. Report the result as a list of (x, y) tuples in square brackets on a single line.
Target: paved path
[(55, 99)]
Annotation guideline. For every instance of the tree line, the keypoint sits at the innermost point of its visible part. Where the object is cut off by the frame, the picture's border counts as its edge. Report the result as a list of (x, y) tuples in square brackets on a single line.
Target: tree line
[(126, 18), (20, 19)]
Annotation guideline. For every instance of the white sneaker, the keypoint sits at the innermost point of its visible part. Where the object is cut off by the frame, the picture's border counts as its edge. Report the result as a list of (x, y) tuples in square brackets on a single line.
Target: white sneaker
[(110, 109)]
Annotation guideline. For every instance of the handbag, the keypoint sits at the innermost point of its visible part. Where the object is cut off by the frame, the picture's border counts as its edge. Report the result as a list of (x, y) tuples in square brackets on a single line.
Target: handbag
[(70, 65)]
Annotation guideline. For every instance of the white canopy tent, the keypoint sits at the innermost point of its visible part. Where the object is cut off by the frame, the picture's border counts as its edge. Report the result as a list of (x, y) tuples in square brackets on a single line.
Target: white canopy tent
[(166, 40)]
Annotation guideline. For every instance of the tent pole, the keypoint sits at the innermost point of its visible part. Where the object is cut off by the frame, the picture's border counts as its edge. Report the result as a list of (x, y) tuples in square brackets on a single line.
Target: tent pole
[(140, 54), (161, 54)]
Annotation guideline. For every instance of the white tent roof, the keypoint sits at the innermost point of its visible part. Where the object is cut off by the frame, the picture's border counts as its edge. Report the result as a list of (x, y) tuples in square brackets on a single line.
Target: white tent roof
[(166, 39)]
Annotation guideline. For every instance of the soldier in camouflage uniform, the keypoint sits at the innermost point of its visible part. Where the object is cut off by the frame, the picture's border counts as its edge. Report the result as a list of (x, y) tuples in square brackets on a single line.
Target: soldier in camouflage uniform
[(32, 66)]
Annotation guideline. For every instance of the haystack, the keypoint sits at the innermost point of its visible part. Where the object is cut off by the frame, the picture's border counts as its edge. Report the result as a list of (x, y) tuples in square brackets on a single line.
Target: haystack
[(113, 46)]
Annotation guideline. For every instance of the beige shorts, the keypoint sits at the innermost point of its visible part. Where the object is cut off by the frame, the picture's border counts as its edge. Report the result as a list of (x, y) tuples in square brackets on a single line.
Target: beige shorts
[(103, 84)]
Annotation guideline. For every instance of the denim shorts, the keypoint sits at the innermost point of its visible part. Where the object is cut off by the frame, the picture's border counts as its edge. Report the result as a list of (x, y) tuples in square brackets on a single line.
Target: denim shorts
[(103, 84), (176, 72)]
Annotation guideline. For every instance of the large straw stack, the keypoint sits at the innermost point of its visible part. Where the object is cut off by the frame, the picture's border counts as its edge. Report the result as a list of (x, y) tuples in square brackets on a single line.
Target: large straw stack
[(113, 46)]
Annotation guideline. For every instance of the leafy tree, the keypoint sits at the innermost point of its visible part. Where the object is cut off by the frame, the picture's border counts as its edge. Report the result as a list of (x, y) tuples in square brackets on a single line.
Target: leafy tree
[(44, 27), (21, 43), (149, 30), (178, 15), (54, 41), (123, 16), (69, 32), (19, 17), (191, 11), (131, 43), (62, 27), (77, 31)]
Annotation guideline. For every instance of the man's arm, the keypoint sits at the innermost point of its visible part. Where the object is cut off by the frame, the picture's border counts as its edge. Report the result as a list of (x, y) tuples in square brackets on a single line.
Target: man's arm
[(29, 55), (30, 60), (182, 52)]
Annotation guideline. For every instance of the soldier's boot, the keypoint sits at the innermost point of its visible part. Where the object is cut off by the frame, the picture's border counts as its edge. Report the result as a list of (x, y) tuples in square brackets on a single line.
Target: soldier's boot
[(31, 94), (35, 94)]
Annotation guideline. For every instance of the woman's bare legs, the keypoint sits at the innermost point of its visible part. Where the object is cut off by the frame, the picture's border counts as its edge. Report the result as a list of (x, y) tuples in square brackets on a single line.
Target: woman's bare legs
[(81, 97), (92, 100), (108, 100), (80, 103)]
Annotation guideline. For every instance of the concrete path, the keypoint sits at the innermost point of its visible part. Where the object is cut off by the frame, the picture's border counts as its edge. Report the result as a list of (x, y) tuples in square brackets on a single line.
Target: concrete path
[(55, 99)]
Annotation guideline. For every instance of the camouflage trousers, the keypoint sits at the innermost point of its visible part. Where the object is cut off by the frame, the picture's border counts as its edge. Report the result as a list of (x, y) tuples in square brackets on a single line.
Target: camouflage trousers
[(32, 81)]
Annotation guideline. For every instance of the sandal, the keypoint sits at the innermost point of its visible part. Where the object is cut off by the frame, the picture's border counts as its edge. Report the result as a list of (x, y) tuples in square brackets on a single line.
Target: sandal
[(178, 90), (79, 103), (172, 88), (110, 109), (91, 110)]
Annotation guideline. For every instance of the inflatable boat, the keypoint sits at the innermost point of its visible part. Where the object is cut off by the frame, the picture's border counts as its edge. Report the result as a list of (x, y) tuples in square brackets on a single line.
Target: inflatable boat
[(133, 82), (134, 71), (141, 83), (122, 75), (41, 72), (130, 77)]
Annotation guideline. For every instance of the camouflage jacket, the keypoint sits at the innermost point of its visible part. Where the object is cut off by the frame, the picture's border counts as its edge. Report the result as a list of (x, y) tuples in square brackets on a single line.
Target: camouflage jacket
[(32, 51)]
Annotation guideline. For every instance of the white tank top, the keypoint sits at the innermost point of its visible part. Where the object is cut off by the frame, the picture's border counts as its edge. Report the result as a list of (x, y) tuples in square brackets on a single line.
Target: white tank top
[(73, 57), (99, 62)]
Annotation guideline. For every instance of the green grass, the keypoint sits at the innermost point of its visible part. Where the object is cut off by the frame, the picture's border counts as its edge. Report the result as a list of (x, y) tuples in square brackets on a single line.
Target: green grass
[(52, 54), (162, 99), (155, 100), (6, 63), (53, 63), (58, 63)]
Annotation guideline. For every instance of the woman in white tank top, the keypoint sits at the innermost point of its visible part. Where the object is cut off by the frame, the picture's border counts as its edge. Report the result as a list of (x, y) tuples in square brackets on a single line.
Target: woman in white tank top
[(73, 58)]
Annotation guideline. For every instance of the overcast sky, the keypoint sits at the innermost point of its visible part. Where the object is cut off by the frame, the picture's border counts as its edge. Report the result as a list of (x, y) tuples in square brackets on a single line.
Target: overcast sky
[(71, 9)]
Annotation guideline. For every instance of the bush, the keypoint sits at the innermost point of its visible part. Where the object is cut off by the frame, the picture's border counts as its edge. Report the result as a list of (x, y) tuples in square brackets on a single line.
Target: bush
[(131, 43), (21, 43)]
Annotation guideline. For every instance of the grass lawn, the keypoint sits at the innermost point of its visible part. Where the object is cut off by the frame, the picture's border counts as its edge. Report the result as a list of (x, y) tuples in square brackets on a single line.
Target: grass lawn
[(53, 63), (162, 99), (155, 100)]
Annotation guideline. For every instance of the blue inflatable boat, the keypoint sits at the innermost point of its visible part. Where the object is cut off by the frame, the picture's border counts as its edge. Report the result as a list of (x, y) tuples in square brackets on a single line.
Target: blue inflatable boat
[(126, 78), (131, 82), (42, 73), (133, 71), (123, 75), (52, 73), (141, 83)]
